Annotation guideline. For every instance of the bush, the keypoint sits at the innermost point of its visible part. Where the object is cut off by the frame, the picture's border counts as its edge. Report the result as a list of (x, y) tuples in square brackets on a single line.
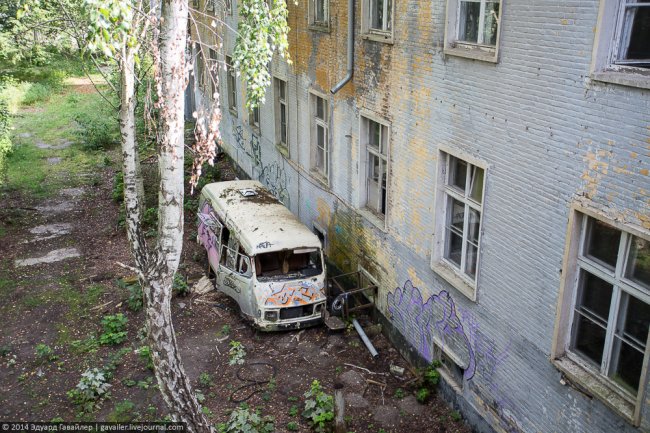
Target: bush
[(319, 408), (45, 352), (114, 329), (134, 300), (98, 128)]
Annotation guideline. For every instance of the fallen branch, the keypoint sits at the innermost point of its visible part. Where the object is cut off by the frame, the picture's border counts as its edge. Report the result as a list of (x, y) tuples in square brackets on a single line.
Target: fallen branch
[(364, 369), (99, 307)]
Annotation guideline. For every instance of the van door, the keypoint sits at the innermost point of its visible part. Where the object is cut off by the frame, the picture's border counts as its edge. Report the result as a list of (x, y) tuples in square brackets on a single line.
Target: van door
[(234, 276)]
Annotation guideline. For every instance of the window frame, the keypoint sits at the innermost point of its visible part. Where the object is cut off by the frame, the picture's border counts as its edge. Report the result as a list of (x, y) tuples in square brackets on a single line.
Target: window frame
[(279, 103), (313, 23), (442, 266), (315, 122), (368, 150), (593, 379), (231, 86), (385, 34), (254, 118), (607, 41), (454, 47)]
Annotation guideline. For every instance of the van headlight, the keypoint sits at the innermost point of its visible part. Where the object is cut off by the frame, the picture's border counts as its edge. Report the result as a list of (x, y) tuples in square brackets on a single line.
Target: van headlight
[(271, 315)]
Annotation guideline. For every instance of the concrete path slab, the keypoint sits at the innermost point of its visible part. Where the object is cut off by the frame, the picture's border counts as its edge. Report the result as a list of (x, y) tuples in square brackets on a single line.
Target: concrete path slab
[(51, 257)]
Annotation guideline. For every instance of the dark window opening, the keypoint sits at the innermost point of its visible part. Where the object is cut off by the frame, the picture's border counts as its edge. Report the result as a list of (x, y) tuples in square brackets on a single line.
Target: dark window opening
[(288, 264)]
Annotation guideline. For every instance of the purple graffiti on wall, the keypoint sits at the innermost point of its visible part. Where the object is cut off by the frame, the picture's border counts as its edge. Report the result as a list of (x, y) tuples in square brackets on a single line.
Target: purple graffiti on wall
[(434, 320), (207, 226)]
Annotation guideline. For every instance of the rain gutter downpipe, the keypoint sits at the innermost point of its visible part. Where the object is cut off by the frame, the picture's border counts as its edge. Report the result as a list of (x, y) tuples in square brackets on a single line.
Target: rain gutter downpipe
[(348, 76)]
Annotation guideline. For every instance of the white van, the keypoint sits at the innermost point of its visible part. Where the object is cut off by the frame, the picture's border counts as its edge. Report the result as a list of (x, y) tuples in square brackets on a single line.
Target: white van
[(263, 256)]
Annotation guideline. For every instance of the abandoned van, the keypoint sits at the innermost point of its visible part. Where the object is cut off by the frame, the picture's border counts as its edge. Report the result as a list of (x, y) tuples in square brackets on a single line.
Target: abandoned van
[(263, 256)]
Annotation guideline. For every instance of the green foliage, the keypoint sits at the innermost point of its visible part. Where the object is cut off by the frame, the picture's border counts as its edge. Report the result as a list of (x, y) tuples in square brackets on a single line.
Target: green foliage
[(431, 376), (236, 354), (111, 26), (124, 412), (225, 330), (455, 415), (319, 408), (261, 31), (97, 130), (293, 410), (179, 285), (88, 345), (45, 352), (92, 387), (399, 393), (118, 187), (134, 301), (114, 329), (145, 356), (422, 395), (244, 420), (5, 126), (205, 380), (292, 426)]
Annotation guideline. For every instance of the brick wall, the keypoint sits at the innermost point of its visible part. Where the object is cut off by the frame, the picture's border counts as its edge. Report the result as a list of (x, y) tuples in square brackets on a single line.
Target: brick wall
[(550, 137)]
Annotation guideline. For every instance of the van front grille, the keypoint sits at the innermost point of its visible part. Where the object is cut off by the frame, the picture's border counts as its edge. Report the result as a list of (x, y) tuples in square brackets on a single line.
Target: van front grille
[(296, 312)]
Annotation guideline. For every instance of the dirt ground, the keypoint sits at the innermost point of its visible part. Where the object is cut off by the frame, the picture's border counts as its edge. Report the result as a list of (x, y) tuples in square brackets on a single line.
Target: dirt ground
[(59, 268)]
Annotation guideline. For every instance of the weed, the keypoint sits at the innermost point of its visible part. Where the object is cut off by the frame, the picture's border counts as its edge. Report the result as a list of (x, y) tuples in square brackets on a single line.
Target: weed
[(399, 393), (145, 384), (266, 397), (206, 411), (236, 354), (205, 380), (145, 355), (455, 415), (293, 399), (89, 345), (114, 360), (292, 426), (57, 419), (272, 385), (129, 383), (179, 285), (118, 187), (293, 410), (319, 408), (45, 353), (5, 350), (422, 395), (243, 419), (135, 300), (97, 130), (114, 329), (150, 217), (338, 369), (123, 412), (225, 330), (91, 388), (200, 397)]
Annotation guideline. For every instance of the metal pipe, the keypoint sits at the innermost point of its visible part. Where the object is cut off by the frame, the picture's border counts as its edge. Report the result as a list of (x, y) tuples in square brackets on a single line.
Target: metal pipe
[(365, 338), (350, 70)]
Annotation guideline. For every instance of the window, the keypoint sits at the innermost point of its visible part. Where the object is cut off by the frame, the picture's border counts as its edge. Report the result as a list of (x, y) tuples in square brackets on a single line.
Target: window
[(621, 48), (609, 319), (213, 67), (254, 117), (473, 28), (231, 84), (281, 112), (319, 14), (459, 210), (319, 136), (375, 137), (377, 19)]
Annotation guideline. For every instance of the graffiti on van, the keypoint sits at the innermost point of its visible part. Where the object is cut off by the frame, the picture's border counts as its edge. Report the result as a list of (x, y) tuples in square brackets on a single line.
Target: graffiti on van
[(232, 284), (209, 233), (283, 296)]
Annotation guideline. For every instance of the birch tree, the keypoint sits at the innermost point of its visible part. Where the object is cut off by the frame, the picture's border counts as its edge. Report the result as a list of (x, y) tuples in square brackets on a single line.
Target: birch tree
[(126, 30)]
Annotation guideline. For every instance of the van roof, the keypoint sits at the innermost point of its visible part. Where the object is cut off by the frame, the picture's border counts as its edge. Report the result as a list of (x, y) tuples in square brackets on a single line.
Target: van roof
[(262, 223)]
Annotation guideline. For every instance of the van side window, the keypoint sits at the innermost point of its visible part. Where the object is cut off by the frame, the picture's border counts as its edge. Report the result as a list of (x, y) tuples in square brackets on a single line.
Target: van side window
[(245, 266), (233, 247), (295, 264)]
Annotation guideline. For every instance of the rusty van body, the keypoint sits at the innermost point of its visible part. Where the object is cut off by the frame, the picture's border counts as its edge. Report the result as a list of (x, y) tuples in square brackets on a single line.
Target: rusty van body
[(263, 257)]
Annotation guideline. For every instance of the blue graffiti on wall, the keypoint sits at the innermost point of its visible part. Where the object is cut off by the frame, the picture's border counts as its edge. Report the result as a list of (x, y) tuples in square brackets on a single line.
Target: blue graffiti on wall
[(435, 320)]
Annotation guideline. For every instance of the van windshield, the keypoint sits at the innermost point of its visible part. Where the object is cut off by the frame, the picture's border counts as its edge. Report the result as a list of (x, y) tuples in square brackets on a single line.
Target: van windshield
[(288, 265)]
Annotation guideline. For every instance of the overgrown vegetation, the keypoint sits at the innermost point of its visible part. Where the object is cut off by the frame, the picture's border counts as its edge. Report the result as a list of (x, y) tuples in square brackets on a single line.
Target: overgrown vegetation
[(236, 354), (114, 327), (245, 420), (427, 382), (92, 387), (319, 408)]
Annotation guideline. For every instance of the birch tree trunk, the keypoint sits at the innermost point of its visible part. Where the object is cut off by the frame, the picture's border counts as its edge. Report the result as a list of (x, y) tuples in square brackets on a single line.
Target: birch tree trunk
[(157, 267)]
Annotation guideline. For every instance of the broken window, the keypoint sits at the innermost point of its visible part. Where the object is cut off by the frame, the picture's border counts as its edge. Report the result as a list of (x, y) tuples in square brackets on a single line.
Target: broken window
[(464, 194), (320, 138), (611, 315), (478, 21), (285, 265), (633, 34), (319, 13), (231, 84), (281, 112), (376, 143)]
